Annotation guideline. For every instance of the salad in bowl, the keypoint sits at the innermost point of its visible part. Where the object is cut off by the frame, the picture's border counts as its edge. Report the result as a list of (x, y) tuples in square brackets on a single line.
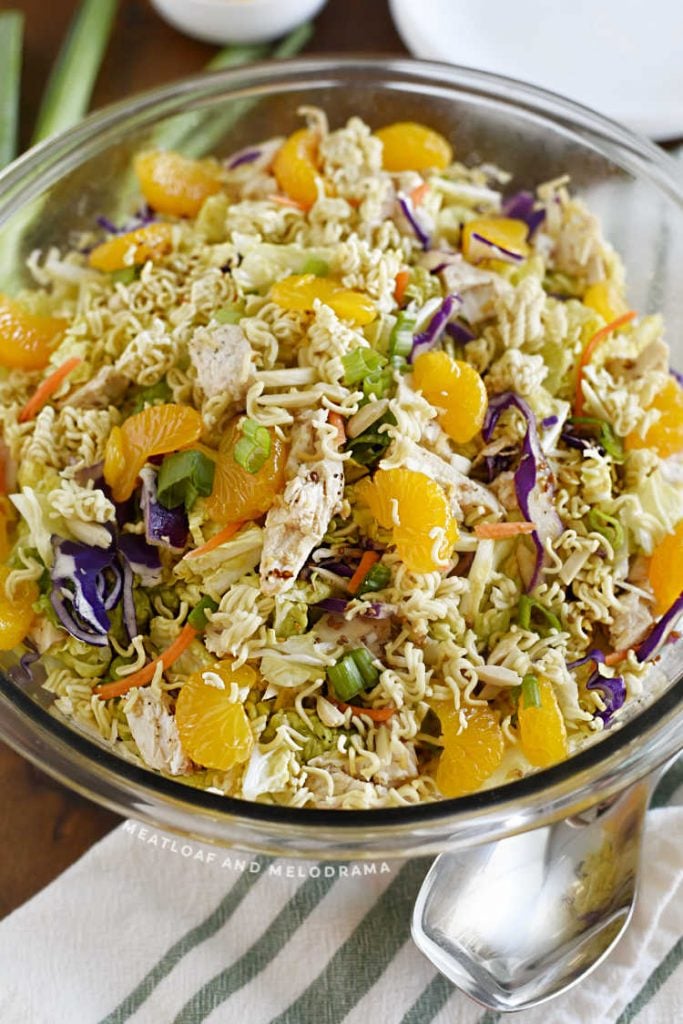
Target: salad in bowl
[(339, 474)]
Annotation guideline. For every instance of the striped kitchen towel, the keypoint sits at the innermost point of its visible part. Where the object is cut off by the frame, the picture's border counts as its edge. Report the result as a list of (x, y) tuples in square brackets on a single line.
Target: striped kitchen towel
[(148, 928)]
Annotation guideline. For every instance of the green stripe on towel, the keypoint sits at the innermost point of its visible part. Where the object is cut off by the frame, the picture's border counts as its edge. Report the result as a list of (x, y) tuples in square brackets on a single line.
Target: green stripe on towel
[(653, 984)]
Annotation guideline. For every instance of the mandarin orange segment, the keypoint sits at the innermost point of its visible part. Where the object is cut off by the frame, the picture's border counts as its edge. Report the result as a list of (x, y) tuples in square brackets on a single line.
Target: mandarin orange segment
[(470, 756), (237, 495), (456, 388), (665, 435), (156, 430), (298, 293), (542, 731), (134, 248), (16, 614), (507, 234), (416, 509), (26, 339), (213, 726), (606, 299), (296, 166), (666, 569), (173, 184), (408, 146)]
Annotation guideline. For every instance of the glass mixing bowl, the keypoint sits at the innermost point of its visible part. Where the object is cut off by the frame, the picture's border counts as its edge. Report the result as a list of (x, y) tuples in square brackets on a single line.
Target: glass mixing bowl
[(63, 184)]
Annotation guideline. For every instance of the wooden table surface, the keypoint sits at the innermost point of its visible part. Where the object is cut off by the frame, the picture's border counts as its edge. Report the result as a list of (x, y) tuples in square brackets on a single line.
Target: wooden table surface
[(43, 826)]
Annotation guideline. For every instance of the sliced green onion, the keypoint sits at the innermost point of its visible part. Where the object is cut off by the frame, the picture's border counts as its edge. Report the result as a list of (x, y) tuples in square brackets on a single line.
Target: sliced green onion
[(363, 661), (345, 678), (528, 607), (610, 528), (159, 392), (401, 338), (359, 363), (70, 85), (378, 383), (183, 477), (376, 578), (11, 28), (531, 692), (125, 275), (228, 315), (253, 448), (197, 616), (603, 434), (314, 265)]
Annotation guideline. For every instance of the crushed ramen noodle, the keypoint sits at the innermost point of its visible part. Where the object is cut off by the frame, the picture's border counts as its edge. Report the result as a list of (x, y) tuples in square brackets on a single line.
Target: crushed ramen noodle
[(340, 476)]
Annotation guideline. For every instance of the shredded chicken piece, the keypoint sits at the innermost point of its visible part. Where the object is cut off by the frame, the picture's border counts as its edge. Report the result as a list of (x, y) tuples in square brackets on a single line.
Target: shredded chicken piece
[(479, 289), (221, 356), (373, 634), (299, 518), (155, 731), (631, 622), (504, 489), (101, 391)]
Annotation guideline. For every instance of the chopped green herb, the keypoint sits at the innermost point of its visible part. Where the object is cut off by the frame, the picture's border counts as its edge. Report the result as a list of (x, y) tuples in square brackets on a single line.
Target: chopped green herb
[(376, 578), (197, 616), (359, 363), (183, 477), (531, 692), (253, 448), (610, 528), (314, 265), (530, 611), (345, 678), (228, 315), (401, 338)]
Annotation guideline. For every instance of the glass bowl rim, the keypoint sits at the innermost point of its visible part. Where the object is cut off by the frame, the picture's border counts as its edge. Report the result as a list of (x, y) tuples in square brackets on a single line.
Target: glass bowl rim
[(603, 767)]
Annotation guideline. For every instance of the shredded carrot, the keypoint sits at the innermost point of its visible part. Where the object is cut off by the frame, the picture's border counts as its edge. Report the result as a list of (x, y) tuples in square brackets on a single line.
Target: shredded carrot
[(366, 563), (589, 352), (376, 714), (337, 420), (218, 538), (47, 389), (499, 531), (146, 674), (402, 279), (418, 193), (286, 201), (615, 657)]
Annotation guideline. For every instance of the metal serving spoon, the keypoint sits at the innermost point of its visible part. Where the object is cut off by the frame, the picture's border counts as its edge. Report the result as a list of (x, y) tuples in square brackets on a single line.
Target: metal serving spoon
[(518, 921)]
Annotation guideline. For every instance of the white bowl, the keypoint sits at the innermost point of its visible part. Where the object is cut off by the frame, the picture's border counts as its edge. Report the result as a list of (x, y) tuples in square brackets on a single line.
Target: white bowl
[(237, 21)]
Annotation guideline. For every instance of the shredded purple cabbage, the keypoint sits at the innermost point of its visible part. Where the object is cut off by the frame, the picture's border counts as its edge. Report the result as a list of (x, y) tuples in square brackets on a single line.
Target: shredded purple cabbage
[(496, 251), (335, 605), (549, 421), (83, 579), (613, 692), (244, 156), (677, 375), (144, 216), (142, 558), (164, 527), (660, 631), (595, 655), (534, 484), (459, 332), (521, 206), (437, 325), (409, 214)]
